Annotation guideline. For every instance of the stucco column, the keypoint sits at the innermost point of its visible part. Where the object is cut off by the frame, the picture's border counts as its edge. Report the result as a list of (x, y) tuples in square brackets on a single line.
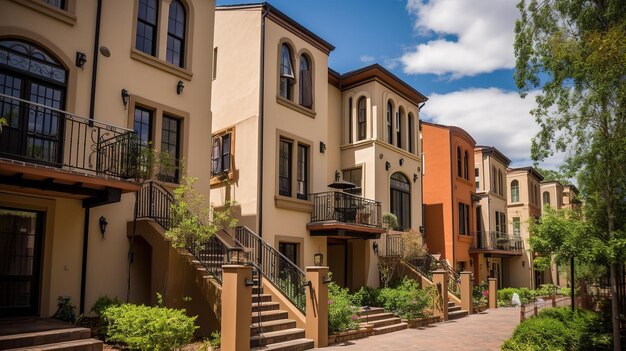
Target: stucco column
[(493, 293), (440, 280), (466, 291), (317, 306), (236, 308)]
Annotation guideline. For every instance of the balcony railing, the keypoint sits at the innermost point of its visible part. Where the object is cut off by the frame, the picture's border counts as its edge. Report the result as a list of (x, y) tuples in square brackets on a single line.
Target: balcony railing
[(346, 208), (41, 134), (493, 240)]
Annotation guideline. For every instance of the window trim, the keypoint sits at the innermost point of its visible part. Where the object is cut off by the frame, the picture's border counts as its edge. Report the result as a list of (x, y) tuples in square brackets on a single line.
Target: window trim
[(307, 57), (291, 88), (155, 34), (183, 54), (292, 202), (515, 185), (67, 15), (464, 219), (216, 179)]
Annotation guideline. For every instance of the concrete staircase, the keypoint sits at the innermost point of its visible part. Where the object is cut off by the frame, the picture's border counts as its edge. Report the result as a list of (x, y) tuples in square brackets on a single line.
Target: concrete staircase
[(64, 339), (455, 311), (271, 328), (383, 321)]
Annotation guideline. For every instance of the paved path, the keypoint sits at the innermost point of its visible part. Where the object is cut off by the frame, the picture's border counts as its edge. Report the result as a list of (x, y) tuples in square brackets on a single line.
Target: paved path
[(480, 332)]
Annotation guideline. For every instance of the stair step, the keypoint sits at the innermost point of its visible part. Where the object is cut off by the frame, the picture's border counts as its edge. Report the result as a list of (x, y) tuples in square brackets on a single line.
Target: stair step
[(274, 337), (291, 345), (256, 290), (390, 328), (265, 306), (268, 316), (373, 310), (270, 326), (454, 308), (457, 314), (381, 322), (43, 337), (73, 345), (261, 298), (379, 316)]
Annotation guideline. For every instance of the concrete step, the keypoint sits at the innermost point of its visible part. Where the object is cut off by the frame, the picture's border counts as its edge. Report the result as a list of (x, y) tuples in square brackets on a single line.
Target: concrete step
[(268, 338), (265, 306), (43, 337), (268, 316), (378, 316), (381, 322), (457, 314), (454, 308), (73, 345), (261, 298), (256, 290), (373, 310), (291, 345), (270, 326), (390, 328)]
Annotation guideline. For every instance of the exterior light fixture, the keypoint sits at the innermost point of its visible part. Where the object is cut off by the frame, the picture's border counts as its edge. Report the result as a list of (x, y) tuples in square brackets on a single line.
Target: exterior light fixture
[(179, 87), (387, 165), (375, 248), (81, 58), (103, 225), (421, 228), (322, 147), (318, 259), (125, 97), (414, 177), (401, 161)]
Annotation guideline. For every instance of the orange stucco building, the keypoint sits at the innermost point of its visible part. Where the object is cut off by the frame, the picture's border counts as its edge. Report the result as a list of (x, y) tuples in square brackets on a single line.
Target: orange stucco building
[(448, 192)]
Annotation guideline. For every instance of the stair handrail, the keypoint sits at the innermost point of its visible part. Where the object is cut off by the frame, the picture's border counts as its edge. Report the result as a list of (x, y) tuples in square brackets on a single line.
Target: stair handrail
[(277, 268), (154, 203)]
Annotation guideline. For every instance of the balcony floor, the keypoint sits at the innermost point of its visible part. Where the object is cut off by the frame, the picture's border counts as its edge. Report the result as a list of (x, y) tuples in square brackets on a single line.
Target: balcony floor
[(342, 229), (496, 252)]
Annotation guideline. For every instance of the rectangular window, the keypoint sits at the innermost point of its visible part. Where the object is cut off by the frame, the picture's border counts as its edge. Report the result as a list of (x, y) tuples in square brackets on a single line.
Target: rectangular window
[(503, 222), (284, 168), (143, 125), (477, 186), (516, 226), (464, 227), (302, 177), (170, 149), (476, 173), (355, 177), (56, 3), (289, 250), (147, 20), (221, 154)]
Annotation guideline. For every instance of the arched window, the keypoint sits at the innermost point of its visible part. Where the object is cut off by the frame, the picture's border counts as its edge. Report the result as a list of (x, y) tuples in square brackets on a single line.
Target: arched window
[(147, 26), (176, 24), (459, 165), (350, 120), (306, 83), (399, 119), (286, 72), (546, 198), (500, 183), (515, 191), (362, 122), (389, 122), (411, 132), (465, 165), (400, 195), (31, 73)]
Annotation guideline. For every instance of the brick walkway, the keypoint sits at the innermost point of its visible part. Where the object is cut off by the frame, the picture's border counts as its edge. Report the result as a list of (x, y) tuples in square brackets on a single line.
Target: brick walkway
[(481, 332)]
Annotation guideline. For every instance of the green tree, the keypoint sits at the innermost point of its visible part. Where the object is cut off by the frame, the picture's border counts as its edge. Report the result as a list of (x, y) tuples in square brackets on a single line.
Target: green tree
[(549, 174), (574, 50)]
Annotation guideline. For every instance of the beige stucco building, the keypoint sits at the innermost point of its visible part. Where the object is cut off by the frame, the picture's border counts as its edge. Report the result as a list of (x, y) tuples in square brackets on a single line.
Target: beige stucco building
[(286, 124), (79, 80)]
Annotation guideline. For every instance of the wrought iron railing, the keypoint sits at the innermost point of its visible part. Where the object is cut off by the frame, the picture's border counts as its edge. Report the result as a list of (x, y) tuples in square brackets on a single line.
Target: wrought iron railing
[(346, 208), (45, 135), (425, 265), (154, 201), (493, 240), (284, 274)]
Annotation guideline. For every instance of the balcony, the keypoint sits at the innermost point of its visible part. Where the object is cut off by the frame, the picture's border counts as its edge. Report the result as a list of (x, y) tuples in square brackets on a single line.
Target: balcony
[(53, 151), (336, 213), (497, 243)]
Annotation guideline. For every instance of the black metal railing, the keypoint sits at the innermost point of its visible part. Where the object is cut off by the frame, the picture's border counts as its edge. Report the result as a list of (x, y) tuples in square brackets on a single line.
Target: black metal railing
[(41, 134), (494, 240), (346, 208), (155, 201), (284, 274), (425, 265)]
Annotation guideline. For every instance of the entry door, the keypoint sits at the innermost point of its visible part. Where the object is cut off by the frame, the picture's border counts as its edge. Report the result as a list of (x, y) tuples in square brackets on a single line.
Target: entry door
[(20, 258), (496, 270)]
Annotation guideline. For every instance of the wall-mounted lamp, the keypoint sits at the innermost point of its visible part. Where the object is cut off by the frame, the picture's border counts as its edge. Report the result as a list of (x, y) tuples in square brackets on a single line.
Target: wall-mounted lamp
[(103, 225), (125, 97), (322, 147), (81, 58), (375, 248), (414, 177), (421, 229), (318, 259), (387, 165), (179, 87), (401, 161)]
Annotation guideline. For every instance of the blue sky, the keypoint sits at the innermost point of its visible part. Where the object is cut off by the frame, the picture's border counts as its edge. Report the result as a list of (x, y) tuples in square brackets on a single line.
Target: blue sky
[(459, 53)]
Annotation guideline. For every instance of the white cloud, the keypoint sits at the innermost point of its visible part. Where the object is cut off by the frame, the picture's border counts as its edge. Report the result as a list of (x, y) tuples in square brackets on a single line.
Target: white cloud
[(366, 58), (484, 31), (492, 117)]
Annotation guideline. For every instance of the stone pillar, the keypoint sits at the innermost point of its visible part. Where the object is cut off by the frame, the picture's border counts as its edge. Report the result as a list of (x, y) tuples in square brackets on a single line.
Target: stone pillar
[(316, 327), (236, 308), (440, 280), (493, 293), (466, 291)]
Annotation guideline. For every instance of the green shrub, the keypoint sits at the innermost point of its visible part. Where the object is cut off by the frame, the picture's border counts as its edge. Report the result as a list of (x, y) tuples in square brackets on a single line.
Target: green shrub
[(506, 295), (366, 296), (480, 294), (540, 334), (216, 339), (102, 303), (406, 300), (148, 328), (341, 311)]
